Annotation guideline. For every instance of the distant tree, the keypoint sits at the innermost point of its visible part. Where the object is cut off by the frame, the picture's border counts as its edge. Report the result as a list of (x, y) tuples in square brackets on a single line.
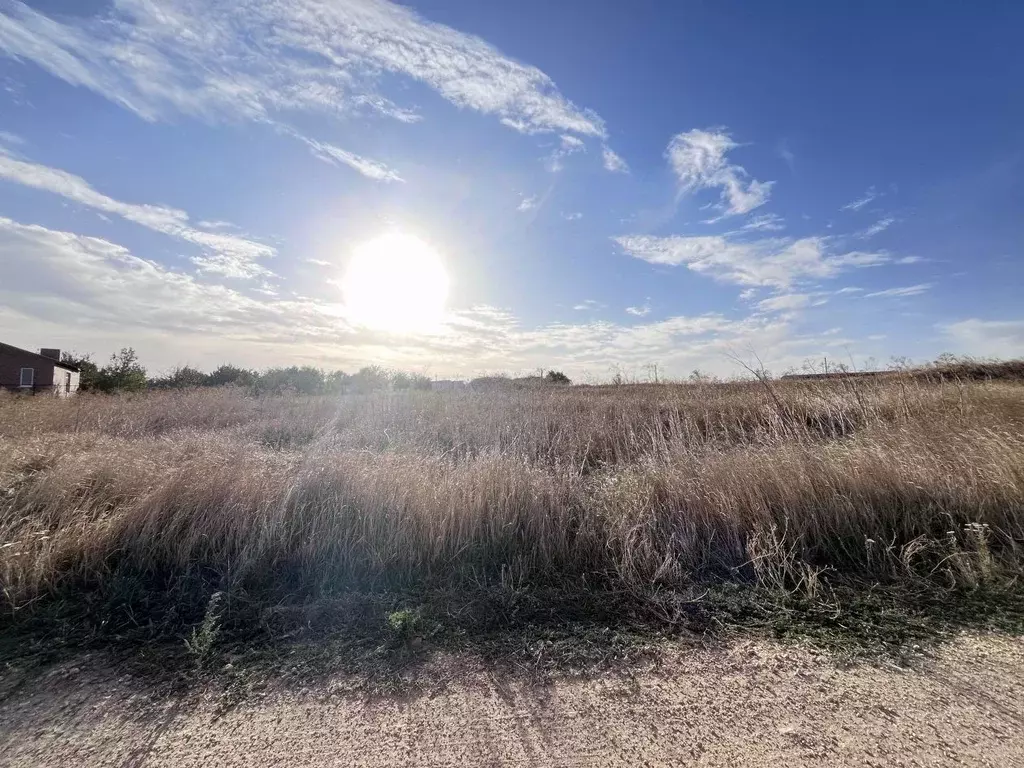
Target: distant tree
[(337, 382), (272, 381), (122, 374), (401, 380), (557, 377), (306, 380), (231, 375), (181, 378), (88, 370), (370, 379), (419, 381)]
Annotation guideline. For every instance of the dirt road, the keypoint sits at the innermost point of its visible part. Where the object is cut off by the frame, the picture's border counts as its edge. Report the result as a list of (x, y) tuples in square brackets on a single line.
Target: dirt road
[(751, 704)]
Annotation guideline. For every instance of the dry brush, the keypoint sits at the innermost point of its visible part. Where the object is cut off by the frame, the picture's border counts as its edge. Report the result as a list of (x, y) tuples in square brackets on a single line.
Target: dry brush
[(177, 495)]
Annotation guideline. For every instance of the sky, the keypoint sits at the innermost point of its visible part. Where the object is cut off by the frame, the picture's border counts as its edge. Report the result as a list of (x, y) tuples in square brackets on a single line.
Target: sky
[(610, 187)]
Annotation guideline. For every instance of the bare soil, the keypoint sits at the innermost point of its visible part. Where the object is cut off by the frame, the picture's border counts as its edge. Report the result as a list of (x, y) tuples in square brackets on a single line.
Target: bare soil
[(748, 704)]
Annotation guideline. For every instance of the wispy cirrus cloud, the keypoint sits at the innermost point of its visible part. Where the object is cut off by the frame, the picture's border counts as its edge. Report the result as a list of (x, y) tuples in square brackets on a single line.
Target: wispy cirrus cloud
[(612, 162), (568, 145), (371, 169), (909, 290), (855, 205), (777, 263), (768, 222), (104, 283), (698, 158), (223, 61), (641, 311), (878, 227), (527, 203), (786, 302), (224, 254)]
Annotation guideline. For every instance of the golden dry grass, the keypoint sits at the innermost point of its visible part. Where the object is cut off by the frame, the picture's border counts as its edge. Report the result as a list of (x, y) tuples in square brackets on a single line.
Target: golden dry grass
[(636, 488)]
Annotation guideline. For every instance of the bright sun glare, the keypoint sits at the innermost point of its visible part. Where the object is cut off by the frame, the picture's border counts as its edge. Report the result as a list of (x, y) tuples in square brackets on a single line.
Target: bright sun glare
[(396, 282)]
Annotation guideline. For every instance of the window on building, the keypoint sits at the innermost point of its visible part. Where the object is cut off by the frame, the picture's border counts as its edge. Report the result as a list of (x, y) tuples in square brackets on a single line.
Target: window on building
[(28, 377), (67, 383)]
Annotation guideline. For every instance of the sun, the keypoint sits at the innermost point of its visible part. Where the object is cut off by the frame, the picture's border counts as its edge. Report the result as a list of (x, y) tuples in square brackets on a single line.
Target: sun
[(397, 283)]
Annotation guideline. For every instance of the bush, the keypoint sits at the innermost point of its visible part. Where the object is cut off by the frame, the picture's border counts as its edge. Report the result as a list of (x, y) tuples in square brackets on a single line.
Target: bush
[(557, 377), (122, 374)]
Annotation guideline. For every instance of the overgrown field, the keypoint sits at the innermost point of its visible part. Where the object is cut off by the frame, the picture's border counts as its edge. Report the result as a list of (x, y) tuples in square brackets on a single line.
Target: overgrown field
[(141, 508)]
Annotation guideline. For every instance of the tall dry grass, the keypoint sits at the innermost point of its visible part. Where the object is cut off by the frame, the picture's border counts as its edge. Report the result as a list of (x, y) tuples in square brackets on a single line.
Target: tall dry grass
[(634, 488)]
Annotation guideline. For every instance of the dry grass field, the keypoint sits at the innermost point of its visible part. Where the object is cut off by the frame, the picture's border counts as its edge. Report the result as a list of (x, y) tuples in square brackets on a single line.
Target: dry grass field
[(157, 509)]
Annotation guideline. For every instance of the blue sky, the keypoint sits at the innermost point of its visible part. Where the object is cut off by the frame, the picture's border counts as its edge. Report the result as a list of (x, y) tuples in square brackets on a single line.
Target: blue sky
[(610, 186)]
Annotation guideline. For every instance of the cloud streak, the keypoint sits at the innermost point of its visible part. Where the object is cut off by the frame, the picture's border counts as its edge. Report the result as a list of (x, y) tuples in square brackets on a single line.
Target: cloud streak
[(871, 195), (223, 61), (878, 227), (777, 263), (371, 169), (223, 254), (698, 159), (612, 162), (909, 290)]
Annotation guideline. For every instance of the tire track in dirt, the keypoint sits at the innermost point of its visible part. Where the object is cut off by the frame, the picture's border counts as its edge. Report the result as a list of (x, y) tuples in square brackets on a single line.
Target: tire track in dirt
[(751, 704)]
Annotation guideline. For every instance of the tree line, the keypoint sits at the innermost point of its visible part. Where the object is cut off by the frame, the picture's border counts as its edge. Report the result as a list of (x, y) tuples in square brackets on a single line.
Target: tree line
[(124, 373)]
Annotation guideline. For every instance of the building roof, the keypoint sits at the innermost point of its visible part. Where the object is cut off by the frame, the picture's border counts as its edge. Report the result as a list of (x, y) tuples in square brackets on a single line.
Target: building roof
[(10, 348)]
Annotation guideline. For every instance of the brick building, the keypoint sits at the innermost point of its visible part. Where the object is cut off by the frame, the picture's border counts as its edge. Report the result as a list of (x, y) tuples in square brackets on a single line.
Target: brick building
[(24, 371)]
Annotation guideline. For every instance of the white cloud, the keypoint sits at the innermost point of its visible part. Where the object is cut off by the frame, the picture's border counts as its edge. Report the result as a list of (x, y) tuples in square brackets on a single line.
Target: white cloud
[(869, 196), (216, 224), (612, 162), (572, 216), (224, 61), (849, 289), (587, 305), (778, 263), (639, 311), (101, 283), (910, 290), (527, 203), (986, 338), (568, 145), (119, 299), (318, 262), (6, 137), (787, 302), (910, 260), (371, 169), (768, 222), (224, 254), (879, 226), (698, 159)]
